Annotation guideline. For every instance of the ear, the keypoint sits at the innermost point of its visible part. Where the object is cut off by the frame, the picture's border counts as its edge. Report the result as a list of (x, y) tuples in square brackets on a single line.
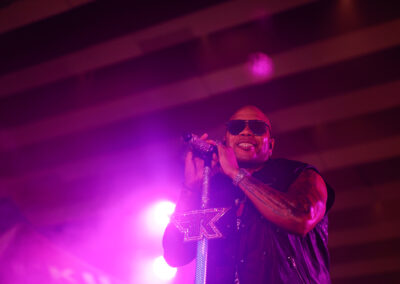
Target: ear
[(271, 145)]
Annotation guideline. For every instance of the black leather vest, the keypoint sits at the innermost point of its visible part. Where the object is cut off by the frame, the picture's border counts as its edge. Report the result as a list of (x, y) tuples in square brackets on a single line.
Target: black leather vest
[(253, 250)]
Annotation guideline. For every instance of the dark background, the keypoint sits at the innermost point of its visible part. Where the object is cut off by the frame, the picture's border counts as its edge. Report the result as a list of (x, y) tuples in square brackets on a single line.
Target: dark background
[(94, 96)]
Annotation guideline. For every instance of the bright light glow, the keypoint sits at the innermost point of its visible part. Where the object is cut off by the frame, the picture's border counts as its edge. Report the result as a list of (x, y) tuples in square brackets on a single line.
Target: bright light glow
[(88, 278), (158, 216), (261, 65), (162, 270)]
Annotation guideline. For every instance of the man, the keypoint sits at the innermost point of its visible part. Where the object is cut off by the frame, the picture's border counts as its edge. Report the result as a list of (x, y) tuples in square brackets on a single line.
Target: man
[(276, 229)]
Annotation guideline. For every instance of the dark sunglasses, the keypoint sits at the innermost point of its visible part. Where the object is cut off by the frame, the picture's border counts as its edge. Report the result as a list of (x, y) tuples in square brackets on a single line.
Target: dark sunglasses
[(258, 127)]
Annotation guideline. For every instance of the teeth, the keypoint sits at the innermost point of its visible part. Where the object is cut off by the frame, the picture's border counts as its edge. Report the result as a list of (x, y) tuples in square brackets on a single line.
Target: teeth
[(245, 145)]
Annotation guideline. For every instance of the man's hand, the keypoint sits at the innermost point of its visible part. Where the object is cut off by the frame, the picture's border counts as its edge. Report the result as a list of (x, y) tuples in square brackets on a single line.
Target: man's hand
[(194, 167), (227, 160)]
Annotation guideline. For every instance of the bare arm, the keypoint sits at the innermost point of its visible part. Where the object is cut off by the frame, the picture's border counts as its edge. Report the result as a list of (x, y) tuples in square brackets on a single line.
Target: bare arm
[(298, 210)]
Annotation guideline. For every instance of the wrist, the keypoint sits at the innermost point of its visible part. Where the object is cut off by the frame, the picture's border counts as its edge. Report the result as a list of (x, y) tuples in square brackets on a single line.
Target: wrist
[(233, 173), (240, 175)]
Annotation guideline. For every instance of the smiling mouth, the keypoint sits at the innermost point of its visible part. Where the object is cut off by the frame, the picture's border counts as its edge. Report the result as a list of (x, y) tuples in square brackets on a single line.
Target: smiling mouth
[(246, 146)]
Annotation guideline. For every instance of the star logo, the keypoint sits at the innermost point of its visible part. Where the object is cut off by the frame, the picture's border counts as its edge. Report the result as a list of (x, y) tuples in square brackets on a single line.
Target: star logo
[(199, 224)]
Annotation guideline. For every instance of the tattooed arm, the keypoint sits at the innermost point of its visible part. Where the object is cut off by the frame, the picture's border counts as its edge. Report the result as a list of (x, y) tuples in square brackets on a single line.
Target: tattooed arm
[(298, 210)]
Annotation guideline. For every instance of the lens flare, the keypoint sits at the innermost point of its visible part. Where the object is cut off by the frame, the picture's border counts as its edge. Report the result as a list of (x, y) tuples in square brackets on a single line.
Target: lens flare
[(158, 216), (162, 270), (261, 65)]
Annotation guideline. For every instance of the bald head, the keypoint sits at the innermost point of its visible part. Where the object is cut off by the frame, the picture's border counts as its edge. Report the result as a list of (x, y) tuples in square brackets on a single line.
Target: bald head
[(251, 112)]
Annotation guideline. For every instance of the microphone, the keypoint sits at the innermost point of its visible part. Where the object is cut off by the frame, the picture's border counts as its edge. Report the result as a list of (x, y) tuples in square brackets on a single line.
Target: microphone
[(199, 145)]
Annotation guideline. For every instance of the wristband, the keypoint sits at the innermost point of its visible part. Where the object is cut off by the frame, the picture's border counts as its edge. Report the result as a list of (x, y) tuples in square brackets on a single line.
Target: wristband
[(240, 176)]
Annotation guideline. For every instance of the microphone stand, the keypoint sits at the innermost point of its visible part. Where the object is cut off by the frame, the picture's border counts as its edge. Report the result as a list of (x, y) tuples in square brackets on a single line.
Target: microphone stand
[(199, 225), (202, 245)]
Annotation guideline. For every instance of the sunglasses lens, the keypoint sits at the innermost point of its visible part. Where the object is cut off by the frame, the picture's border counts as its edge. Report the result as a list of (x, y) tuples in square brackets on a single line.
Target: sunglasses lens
[(258, 127), (236, 126)]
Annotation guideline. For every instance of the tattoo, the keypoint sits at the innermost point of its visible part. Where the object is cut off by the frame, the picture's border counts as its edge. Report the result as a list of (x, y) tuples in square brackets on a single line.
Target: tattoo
[(297, 202)]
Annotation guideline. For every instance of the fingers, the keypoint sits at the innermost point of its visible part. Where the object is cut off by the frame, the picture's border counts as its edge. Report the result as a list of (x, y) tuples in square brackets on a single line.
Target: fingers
[(214, 161), (193, 162), (210, 141), (189, 167), (220, 147), (204, 136), (199, 164), (214, 157), (194, 166), (188, 157)]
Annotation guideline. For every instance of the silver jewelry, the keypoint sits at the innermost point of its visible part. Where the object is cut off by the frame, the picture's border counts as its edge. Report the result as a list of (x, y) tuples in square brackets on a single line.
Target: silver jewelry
[(240, 176)]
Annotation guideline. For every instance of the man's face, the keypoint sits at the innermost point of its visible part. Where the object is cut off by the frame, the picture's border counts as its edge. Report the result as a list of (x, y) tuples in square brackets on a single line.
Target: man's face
[(248, 147)]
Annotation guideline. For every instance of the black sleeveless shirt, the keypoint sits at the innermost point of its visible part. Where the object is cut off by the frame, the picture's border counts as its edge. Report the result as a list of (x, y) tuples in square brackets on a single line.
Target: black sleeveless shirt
[(254, 250)]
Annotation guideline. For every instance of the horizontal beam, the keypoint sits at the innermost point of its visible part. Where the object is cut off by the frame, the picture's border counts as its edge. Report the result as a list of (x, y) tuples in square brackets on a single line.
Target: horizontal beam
[(131, 45), (213, 84), (375, 232), (21, 13), (365, 267), (352, 155), (365, 196), (369, 100)]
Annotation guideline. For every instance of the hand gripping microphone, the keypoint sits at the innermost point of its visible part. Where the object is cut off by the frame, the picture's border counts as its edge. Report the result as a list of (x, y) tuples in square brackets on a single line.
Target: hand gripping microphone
[(198, 145)]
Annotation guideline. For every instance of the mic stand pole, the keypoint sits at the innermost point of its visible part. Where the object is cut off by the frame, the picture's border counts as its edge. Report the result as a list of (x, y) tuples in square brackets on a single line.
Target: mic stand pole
[(202, 245)]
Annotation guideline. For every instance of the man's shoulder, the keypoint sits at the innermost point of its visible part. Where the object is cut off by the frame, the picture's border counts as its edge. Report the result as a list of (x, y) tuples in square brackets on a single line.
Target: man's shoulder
[(284, 169), (280, 172), (287, 163), (291, 169)]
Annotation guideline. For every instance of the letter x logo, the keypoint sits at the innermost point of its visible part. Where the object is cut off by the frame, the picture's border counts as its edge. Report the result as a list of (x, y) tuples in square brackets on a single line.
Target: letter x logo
[(199, 224)]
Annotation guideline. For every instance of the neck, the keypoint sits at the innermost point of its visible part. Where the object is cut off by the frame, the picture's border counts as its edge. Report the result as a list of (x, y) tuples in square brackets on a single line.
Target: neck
[(251, 167)]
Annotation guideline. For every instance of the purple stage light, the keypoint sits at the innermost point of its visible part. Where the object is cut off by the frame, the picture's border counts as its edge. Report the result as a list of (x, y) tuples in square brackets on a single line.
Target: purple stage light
[(261, 65), (158, 216), (162, 270), (150, 270)]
